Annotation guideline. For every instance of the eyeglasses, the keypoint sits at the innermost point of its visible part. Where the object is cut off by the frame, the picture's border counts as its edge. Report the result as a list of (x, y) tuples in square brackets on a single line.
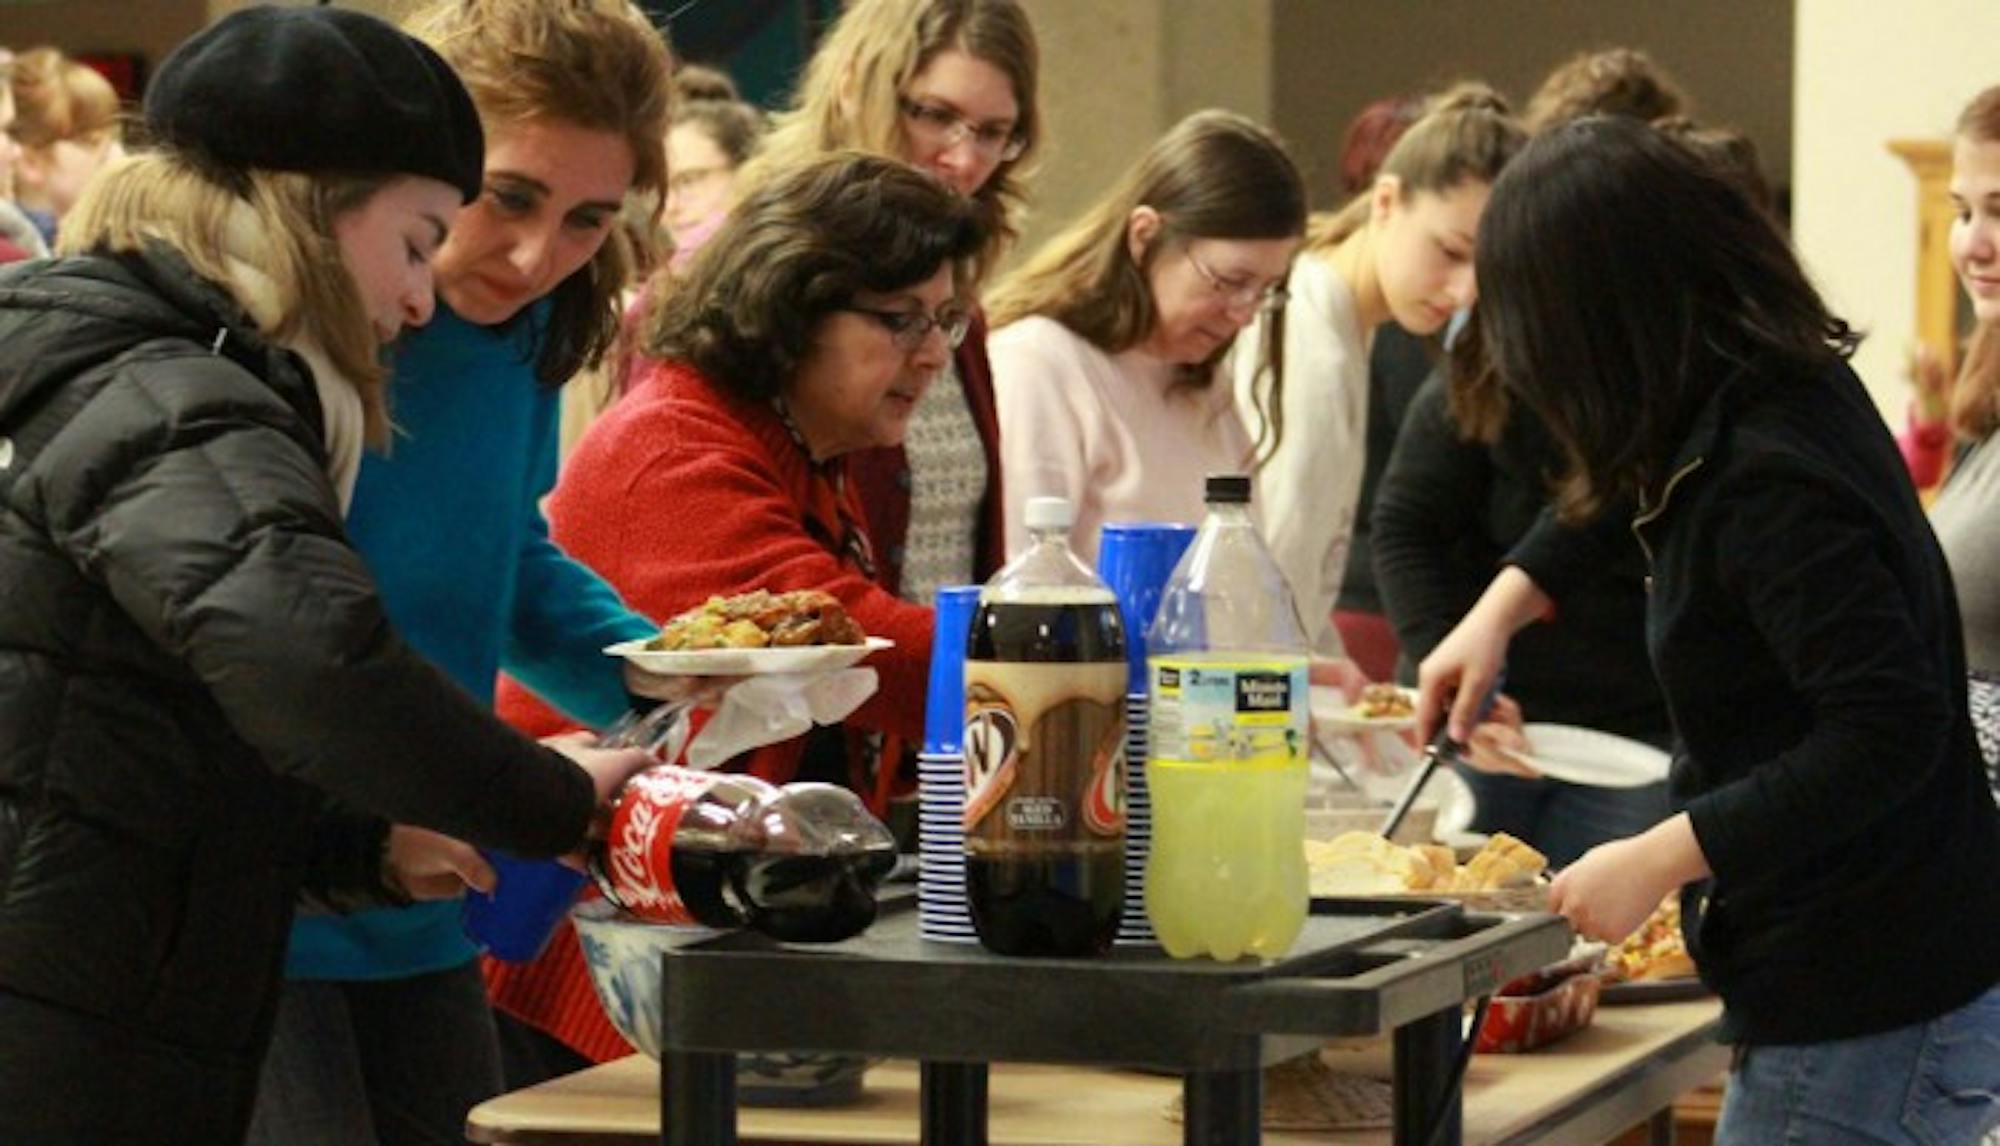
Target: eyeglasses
[(1250, 295), (910, 327), (938, 126)]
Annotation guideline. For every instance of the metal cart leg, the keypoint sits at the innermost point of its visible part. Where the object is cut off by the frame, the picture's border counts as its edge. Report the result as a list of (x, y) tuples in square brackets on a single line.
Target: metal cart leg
[(1660, 1128), (953, 1096), (1425, 1090), (698, 1094), (1223, 1107)]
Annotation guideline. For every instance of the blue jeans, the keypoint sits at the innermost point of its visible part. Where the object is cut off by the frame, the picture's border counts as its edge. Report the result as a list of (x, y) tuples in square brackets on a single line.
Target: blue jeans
[(1561, 819), (1934, 1083), (391, 1062)]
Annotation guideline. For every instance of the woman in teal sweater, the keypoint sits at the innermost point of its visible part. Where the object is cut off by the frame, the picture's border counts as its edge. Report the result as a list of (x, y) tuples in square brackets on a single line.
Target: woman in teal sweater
[(384, 1034)]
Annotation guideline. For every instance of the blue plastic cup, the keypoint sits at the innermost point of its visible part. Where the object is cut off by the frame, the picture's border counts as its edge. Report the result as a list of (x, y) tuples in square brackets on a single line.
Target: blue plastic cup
[(515, 922), (944, 705), (1135, 559)]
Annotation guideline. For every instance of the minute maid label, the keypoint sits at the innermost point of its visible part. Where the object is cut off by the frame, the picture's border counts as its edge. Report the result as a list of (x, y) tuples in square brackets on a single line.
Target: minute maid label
[(1247, 712)]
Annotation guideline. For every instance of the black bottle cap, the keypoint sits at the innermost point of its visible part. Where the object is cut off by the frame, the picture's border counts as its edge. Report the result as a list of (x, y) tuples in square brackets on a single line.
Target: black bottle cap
[(1229, 489)]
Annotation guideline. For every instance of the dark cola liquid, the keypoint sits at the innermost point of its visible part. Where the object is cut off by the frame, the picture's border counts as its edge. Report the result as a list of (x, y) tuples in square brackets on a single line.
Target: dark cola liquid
[(1047, 904), (1062, 893), (1062, 633), (797, 899)]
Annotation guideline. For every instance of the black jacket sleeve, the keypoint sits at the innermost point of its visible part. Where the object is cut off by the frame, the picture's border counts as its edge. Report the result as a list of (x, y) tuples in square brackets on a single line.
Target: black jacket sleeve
[(205, 511), (1428, 505)]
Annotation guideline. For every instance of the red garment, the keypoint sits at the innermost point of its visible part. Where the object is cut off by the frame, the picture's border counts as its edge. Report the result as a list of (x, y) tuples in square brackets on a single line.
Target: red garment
[(11, 252), (882, 476), (680, 492), (1925, 447), (677, 493)]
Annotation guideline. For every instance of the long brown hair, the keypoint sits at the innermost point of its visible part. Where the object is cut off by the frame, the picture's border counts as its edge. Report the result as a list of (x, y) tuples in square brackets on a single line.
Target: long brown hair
[(1213, 175), (1975, 398), (852, 92), (597, 64)]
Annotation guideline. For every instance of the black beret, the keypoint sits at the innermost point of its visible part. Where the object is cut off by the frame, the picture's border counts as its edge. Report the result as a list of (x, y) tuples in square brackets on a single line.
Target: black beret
[(317, 90)]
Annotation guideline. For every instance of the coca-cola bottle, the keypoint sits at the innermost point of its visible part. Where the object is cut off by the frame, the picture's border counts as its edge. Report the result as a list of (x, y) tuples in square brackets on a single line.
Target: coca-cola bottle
[(799, 863)]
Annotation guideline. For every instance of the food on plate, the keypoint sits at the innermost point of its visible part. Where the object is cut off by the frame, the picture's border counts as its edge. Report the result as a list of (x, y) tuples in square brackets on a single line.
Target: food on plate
[(1364, 863), (760, 619), (1384, 702), (1655, 951)]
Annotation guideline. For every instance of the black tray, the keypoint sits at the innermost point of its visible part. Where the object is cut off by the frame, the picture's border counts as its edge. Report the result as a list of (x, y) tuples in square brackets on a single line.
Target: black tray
[(1360, 966)]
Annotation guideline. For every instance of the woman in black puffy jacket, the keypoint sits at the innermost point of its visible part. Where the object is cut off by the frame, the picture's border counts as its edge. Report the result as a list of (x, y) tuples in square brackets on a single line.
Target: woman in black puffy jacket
[(203, 711)]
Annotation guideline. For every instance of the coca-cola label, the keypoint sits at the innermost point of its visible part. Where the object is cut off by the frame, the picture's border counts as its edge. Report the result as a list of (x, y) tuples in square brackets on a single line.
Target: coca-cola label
[(1044, 756), (639, 849)]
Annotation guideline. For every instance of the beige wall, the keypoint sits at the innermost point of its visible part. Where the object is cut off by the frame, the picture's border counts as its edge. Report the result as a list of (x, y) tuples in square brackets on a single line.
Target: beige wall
[(1867, 73), (1334, 57), (1117, 73), (151, 28)]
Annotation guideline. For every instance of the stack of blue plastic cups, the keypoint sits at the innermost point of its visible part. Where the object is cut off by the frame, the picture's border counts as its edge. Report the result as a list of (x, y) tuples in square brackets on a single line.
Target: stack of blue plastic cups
[(1136, 560), (942, 914)]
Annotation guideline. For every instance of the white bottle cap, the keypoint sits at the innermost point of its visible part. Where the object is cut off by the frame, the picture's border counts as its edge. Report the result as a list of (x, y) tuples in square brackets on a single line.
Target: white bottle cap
[(1050, 513)]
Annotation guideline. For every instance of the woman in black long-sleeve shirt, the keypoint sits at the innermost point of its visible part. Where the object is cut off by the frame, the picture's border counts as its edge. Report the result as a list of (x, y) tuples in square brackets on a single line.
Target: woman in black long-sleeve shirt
[(1469, 476), (1837, 842)]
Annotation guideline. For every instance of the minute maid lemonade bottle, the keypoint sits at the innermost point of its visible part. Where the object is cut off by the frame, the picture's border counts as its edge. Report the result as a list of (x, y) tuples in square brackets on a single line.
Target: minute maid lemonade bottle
[(1227, 658)]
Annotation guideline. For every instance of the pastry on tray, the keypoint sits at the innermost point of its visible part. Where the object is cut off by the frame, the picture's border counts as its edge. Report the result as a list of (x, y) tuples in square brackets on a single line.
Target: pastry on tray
[(1307, 1094)]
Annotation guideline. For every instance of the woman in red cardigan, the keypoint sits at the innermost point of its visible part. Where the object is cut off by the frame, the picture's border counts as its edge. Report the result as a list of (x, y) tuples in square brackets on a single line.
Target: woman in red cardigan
[(807, 329)]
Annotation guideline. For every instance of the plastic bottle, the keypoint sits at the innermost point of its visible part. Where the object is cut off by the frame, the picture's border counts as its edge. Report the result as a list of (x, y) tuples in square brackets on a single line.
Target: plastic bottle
[(1227, 659), (799, 863), (1045, 751)]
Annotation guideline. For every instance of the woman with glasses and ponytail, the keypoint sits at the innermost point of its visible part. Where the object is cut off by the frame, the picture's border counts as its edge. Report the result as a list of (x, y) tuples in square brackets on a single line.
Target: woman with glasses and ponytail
[(1106, 343)]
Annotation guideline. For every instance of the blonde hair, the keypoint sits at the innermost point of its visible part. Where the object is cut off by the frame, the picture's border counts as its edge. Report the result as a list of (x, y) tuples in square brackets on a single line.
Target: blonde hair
[(1975, 397), (163, 197), (56, 98), (1466, 135), (852, 92), (1213, 175), (597, 64)]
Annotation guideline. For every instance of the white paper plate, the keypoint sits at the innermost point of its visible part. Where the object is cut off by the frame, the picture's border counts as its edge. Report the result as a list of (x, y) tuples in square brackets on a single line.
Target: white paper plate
[(1587, 756), (1331, 709), (746, 662)]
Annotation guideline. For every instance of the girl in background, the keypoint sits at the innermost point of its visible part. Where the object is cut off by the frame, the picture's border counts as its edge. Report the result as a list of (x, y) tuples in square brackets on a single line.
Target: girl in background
[(713, 134), (1963, 514), (66, 122), (1108, 338), (1399, 252)]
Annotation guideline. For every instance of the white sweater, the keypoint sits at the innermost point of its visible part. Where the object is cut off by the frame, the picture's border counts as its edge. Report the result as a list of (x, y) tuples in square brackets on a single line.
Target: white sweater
[(1307, 491), (1108, 432)]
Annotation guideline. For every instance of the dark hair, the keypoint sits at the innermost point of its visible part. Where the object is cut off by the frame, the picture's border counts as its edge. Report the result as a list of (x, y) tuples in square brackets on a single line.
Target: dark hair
[(733, 126), (801, 246), (1730, 151), (694, 83), (1623, 282), (1370, 136), (1610, 81)]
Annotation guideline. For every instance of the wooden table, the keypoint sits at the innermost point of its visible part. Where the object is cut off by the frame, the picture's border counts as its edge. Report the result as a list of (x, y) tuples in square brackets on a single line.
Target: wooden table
[(1625, 1068)]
